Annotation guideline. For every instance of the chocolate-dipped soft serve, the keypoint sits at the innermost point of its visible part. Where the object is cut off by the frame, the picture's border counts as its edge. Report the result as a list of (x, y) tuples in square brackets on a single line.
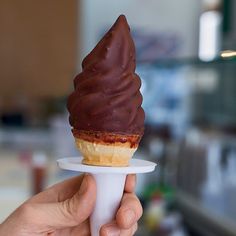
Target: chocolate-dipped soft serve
[(105, 108)]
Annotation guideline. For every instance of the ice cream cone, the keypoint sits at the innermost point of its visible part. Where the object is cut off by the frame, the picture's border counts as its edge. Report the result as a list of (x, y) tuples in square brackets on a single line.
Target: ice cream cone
[(106, 149), (106, 105)]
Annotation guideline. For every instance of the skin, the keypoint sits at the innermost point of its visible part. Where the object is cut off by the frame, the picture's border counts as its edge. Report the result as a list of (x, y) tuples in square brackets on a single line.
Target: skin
[(64, 209)]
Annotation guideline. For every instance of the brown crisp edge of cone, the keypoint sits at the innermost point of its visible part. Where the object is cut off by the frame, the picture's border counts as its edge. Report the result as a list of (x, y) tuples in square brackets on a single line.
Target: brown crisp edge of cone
[(106, 138)]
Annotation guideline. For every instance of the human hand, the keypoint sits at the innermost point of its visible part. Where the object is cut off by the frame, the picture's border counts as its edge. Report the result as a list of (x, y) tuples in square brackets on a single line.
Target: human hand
[(64, 209)]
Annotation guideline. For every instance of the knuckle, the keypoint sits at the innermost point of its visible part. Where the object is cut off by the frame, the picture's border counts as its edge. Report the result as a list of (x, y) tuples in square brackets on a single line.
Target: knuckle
[(26, 211), (128, 232), (134, 203), (139, 208), (67, 210), (70, 210), (140, 211), (103, 231), (135, 228)]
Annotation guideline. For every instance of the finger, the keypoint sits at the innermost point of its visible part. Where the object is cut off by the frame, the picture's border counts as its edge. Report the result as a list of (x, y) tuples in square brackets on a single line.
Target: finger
[(68, 213), (129, 232), (113, 229), (130, 183), (110, 229), (59, 192), (129, 212), (82, 229)]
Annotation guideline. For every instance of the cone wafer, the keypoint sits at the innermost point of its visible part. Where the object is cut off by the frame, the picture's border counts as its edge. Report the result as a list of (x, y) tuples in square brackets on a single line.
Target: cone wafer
[(106, 149)]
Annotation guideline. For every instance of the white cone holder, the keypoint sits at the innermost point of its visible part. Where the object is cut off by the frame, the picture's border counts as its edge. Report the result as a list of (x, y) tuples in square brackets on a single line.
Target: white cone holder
[(110, 186)]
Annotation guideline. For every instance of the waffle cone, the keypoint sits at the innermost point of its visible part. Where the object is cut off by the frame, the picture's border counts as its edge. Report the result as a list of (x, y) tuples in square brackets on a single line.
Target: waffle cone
[(106, 149)]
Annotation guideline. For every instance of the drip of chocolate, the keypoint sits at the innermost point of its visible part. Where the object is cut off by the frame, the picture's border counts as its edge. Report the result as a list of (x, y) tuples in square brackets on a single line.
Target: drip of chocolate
[(106, 96)]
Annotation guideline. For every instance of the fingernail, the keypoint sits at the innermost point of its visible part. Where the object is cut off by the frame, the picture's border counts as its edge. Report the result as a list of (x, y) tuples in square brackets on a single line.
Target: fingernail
[(112, 230), (83, 186), (129, 217)]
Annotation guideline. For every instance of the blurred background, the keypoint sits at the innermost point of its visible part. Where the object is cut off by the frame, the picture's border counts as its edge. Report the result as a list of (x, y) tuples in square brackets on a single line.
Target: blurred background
[(189, 91)]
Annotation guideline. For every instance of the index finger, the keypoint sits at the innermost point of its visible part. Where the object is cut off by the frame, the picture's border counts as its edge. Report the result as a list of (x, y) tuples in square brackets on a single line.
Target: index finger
[(130, 183)]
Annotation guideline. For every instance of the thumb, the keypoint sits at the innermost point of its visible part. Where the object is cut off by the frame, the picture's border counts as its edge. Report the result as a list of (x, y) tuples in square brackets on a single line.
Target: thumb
[(68, 213)]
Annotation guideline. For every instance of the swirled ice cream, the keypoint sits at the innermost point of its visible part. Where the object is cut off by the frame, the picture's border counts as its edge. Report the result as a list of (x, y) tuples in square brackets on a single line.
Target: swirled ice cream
[(105, 107)]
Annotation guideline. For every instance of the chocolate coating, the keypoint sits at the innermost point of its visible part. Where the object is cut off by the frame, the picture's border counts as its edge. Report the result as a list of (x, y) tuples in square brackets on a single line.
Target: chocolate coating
[(106, 96)]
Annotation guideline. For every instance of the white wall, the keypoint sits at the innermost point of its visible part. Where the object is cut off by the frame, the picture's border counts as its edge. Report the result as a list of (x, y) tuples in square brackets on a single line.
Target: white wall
[(180, 16)]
